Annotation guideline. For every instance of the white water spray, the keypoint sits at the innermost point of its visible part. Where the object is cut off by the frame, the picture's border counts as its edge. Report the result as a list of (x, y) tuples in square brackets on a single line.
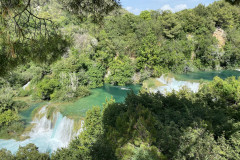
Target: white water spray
[(171, 84), (48, 135), (26, 85)]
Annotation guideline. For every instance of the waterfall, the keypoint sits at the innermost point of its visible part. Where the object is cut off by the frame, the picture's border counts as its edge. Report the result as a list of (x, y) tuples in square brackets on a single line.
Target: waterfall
[(48, 135), (171, 84), (64, 131), (26, 85)]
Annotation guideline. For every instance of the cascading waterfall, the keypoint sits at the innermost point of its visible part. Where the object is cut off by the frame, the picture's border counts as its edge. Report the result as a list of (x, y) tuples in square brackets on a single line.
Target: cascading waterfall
[(48, 135), (171, 84), (26, 85)]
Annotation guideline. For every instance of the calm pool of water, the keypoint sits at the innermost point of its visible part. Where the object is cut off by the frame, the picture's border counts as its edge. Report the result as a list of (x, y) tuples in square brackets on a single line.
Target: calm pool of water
[(207, 75), (97, 98)]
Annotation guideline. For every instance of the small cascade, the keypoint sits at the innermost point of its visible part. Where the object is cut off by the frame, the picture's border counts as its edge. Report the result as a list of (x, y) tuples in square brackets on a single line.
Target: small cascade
[(171, 84), (26, 85), (64, 131), (58, 118), (42, 124), (48, 135)]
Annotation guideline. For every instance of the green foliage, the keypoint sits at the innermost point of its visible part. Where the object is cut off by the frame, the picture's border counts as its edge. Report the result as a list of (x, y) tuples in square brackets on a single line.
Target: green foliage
[(198, 144), (235, 2), (171, 26), (180, 125), (206, 49), (96, 10), (8, 117), (144, 152), (6, 95), (14, 52), (24, 153), (148, 51), (222, 14), (146, 15), (12, 131), (24, 93), (121, 71), (183, 125), (6, 155), (46, 88), (30, 152), (231, 56), (95, 75)]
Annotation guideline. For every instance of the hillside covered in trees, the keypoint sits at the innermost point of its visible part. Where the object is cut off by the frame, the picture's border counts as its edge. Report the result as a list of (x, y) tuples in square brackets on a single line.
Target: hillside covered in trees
[(82, 52)]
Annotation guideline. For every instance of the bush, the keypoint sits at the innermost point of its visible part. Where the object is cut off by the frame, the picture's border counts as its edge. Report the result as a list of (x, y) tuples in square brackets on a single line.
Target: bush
[(122, 71), (6, 95), (47, 87), (8, 117), (14, 130), (67, 94)]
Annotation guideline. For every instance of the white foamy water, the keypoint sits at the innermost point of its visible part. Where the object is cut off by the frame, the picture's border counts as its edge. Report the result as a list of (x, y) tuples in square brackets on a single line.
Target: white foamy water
[(26, 85), (171, 84), (47, 135)]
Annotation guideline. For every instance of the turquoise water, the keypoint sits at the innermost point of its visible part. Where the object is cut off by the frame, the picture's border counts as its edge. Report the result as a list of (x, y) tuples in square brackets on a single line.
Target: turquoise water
[(207, 75), (50, 135), (26, 115), (97, 98)]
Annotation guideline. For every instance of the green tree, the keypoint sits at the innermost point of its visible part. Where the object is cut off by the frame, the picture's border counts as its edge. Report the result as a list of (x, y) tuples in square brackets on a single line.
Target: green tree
[(121, 71), (171, 25), (31, 152), (198, 144), (47, 87), (7, 117), (222, 14), (6, 155), (146, 15), (96, 9)]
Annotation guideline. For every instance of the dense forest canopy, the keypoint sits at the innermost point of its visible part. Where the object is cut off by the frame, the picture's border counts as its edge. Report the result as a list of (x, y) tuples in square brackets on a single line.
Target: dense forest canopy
[(27, 35), (65, 48)]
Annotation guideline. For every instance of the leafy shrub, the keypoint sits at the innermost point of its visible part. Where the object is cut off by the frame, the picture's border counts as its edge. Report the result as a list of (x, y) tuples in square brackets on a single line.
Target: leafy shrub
[(67, 94), (47, 87), (14, 130), (8, 117), (121, 71), (6, 95)]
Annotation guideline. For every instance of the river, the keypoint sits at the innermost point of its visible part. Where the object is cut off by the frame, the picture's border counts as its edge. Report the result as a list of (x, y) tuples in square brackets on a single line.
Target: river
[(49, 134)]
